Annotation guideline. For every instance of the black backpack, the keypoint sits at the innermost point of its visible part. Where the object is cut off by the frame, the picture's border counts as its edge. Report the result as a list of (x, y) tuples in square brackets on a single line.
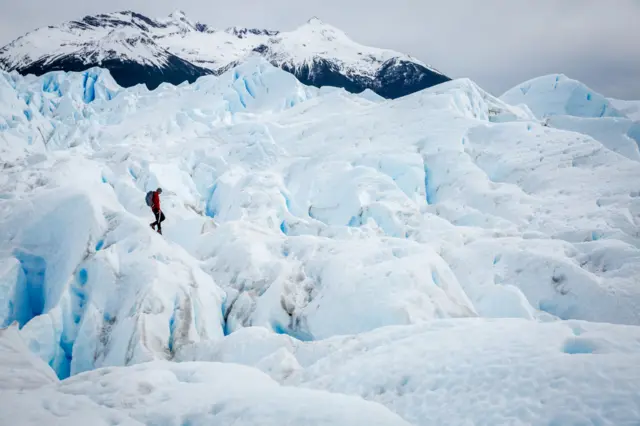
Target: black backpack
[(149, 198)]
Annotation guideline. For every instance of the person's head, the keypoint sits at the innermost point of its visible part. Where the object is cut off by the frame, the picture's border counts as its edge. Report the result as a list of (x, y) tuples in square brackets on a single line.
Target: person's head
[(159, 190)]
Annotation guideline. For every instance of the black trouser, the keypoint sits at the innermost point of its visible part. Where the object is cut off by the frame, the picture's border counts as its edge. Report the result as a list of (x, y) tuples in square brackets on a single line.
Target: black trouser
[(159, 218)]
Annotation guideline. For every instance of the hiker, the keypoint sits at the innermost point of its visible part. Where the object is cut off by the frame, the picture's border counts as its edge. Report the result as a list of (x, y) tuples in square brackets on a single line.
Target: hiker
[(153, 201)]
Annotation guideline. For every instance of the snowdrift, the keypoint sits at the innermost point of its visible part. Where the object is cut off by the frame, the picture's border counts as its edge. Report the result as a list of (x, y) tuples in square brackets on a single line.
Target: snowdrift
[(335, 241)]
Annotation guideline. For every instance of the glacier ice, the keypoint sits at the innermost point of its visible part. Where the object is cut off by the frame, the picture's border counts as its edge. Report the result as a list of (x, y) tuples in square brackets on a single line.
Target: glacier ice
[(629, 108), (100, 292), (557, 94), (320, 237), (198, 393), (463, 371)]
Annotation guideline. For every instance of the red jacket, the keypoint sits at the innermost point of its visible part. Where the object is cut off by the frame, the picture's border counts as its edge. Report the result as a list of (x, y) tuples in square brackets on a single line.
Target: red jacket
[(155, 204)]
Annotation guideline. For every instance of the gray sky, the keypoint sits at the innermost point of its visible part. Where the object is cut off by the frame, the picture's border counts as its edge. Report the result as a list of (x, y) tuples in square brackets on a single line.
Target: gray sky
[(497, 43)]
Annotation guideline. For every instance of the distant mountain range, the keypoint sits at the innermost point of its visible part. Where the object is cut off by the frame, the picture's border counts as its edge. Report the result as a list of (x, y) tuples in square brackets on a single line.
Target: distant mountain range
[(137, 49)]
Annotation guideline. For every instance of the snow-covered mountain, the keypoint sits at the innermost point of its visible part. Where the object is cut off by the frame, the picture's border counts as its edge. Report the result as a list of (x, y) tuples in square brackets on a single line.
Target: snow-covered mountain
[(328, 258), (137, 49)]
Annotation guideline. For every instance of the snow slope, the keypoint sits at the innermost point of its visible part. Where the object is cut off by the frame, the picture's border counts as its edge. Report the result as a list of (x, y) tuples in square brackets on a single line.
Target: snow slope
[(434, 254), (123, 35), (318, 40)]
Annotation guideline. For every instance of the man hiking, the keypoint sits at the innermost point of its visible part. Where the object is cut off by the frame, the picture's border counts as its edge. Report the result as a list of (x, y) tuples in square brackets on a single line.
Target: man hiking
[(153, 201)]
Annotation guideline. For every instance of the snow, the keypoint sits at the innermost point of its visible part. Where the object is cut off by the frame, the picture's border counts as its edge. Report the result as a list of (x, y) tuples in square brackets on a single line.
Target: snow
[(316, 39), (90, 44), (129, 36), (214, 49), (443, 258)]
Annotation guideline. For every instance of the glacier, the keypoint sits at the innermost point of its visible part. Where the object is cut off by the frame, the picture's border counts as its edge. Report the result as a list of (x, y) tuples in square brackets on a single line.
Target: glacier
[(557, 94), (447, 257)]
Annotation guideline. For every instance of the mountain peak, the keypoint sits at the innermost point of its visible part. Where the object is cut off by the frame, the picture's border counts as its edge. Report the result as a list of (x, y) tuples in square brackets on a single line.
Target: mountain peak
[(180, 19), (320, 30), (178, 14)]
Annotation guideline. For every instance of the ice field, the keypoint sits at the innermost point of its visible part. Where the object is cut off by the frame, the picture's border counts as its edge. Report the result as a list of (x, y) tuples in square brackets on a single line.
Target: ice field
[(449, 257)]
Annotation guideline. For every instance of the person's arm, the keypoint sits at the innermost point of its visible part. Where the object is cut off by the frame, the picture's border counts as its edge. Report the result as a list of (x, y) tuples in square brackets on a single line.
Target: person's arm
[(156, 200)]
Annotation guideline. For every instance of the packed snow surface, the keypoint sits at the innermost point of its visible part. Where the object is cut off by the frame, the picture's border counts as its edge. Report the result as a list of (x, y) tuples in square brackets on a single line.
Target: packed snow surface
[(448, 257)]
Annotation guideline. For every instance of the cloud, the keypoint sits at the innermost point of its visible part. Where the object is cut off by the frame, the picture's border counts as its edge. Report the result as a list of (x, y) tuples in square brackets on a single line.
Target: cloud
[(497, 43)]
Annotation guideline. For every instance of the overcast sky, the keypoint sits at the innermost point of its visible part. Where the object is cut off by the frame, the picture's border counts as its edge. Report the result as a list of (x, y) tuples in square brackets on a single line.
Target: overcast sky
[(497, 43)]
